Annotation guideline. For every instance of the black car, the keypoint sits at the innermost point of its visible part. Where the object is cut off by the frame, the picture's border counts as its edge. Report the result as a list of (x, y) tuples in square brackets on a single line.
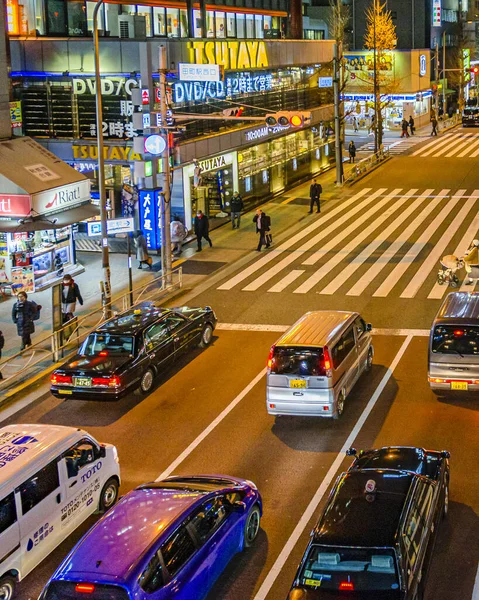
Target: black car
[(376, 535), (470, 116), (130, 350)]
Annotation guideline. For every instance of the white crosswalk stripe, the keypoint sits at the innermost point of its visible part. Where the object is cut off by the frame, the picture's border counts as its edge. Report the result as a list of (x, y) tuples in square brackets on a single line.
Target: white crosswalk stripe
[(458, 145), (404, 232), (396, 146)]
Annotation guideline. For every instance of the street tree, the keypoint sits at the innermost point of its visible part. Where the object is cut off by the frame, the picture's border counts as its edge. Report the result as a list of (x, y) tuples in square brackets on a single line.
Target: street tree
[(381, 39)]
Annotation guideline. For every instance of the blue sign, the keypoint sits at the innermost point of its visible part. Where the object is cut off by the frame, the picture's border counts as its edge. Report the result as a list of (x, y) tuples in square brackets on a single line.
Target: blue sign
[(149, 204), (325, 82), (155, 144)]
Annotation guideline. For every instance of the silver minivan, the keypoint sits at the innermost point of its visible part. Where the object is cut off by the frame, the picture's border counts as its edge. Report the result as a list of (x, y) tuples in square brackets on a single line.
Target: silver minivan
[(453, 363), (315, 364)]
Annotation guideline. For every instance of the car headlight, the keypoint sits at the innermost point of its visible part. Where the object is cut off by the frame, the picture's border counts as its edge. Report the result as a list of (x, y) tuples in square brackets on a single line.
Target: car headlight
[(251, 484)]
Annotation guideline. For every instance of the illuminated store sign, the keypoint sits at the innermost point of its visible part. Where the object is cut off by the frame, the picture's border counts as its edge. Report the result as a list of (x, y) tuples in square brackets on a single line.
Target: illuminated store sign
[(195, 91), (436, 13), (187, 72), (262, 132), (231, 54), (109, 87), (422, 65), (149, 205), (119, 153)]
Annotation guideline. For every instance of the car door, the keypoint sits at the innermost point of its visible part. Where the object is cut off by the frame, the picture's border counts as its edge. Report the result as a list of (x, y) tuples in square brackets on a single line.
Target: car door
[(345, 358), (9, 530), (362, 343), (181, 331), (218, 529), (159, 345)]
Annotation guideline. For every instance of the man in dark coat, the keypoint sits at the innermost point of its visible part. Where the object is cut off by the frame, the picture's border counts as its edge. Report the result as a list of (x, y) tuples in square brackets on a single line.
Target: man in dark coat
[(236, 208), (263, 223), (23, 314), (202, 228), (315, 192)]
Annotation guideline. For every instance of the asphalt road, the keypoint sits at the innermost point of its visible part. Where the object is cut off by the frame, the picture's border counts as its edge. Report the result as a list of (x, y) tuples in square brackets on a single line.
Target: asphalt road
[(289, 459)]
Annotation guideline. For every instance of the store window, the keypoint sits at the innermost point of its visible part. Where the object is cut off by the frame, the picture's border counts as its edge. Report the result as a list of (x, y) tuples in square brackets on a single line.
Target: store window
[(250, 26), (210, 24), (56, 17), (230, 25), (258, 19), (240, 26), (145, 11), (128, 9), (220, 24), (172, 22), (77, 21), (197, 24), (267, 24), (183, 23), (159, 21)]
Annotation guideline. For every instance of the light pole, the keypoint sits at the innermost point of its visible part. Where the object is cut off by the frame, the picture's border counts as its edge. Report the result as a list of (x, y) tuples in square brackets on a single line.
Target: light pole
[(101, 166), (375, 84)]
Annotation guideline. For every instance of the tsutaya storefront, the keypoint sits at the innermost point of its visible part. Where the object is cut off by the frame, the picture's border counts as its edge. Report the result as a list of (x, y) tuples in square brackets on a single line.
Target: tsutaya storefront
[(40, 198)]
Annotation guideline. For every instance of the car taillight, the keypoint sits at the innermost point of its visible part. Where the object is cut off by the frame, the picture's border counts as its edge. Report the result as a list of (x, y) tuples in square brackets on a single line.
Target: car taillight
[(112, 381), (346, 585), (325, 362), (271, 357), (85, 588), (57, 378)]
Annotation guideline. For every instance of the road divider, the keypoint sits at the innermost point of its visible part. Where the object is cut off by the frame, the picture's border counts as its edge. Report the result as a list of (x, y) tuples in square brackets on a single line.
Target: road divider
[(330, 475), (283, 328)]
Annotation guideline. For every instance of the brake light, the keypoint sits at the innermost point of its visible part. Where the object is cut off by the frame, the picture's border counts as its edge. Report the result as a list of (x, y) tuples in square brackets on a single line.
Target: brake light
[(112, 381), (103, 353), (326, 359), (57, 378), (459, 332), (271, 357), (346, 585), (85, 588)]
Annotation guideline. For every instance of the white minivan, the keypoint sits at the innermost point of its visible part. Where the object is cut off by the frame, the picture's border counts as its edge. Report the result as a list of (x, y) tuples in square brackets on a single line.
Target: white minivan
[(51, 479)]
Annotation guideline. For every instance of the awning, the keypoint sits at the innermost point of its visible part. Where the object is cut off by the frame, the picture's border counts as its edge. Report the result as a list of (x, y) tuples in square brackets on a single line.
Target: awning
[(58, 220)]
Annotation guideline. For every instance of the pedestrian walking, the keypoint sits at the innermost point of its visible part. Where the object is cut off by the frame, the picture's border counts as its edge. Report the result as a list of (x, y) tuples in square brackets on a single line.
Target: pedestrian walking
[(434, 125), (404, 126), (352, 151), (411, 125), (70, 295), (2, 344), (315, 192), (471, 259), (236, 208), (142, 250), (355, 124), (263, 224), (202, 228), (178, 233), (372, 125), (24, 312)]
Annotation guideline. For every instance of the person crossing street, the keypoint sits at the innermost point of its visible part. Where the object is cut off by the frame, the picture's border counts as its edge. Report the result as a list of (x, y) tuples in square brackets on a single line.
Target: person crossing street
[(263, 224), (315, 192)]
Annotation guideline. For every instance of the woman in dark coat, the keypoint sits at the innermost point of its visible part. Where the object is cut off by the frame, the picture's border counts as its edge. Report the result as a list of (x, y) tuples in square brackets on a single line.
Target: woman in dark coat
[(70, 295), (23, 313)]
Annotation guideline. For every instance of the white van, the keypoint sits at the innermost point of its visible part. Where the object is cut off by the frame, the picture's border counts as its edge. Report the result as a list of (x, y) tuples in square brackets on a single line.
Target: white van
[(51, 479)]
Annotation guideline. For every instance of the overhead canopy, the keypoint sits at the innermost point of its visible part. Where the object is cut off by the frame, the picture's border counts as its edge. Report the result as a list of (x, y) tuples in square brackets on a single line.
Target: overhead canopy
[(56, 221)]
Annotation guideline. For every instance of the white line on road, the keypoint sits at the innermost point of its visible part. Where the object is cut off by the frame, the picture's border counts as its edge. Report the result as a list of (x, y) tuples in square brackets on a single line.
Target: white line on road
[(468, 149), (433, 145), (283, 328), (287, 279), (205, 433), (318, 496)]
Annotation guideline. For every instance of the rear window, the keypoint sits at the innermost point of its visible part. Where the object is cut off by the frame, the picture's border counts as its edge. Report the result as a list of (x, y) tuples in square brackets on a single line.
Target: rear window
[(450, 339), (70, 590), (104, 342), (358, 569), (298, 361)]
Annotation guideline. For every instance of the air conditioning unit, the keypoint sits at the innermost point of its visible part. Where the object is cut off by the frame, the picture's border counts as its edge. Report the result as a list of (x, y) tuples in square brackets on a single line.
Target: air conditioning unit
[(126, 26)]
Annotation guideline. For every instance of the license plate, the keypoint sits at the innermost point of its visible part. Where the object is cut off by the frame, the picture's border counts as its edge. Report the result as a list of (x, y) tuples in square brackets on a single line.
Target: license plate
[(65, 391), (297, 383), (459, 385), (82, 381)]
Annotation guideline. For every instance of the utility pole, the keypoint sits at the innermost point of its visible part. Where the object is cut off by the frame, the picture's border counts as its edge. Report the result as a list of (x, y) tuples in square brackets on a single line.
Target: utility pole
[(337, 118), (436, 77), (443, 71), (375, 84), (165, 195)]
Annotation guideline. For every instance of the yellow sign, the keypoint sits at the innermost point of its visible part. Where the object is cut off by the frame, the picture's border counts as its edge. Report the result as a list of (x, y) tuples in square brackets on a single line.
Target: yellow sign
[(230, 54), (120, 153), (16, 114)]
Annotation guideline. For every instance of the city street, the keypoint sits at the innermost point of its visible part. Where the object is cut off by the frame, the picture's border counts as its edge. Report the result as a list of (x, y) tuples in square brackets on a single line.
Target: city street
[(374, 249)]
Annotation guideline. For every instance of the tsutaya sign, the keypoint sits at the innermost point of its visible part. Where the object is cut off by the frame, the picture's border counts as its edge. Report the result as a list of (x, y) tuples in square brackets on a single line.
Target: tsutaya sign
[(217, 162), (110, 153), (63, 197), (231, 54)]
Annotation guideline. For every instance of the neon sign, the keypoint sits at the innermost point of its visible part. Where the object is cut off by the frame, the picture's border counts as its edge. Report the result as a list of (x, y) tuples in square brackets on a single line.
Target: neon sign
[(189, 91), (231, 54)]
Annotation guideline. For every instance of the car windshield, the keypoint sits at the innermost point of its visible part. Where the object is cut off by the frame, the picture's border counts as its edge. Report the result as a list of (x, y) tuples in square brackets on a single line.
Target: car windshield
[(112, 345), (358, 569), (453, 339), (298, 361)]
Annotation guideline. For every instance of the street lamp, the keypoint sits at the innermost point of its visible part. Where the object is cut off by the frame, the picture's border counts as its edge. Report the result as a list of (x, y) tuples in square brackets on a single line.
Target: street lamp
[(101, 166)]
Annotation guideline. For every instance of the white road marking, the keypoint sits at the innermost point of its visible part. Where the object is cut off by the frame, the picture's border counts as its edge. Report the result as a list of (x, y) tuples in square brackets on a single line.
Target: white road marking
[(283, 328), (287, 279), (295, 254), (475, 591), (474, 154), (468, 149), (438, 291), (451, 145), (359, 287), (464, 144), (273, 254), (331, 474), (408, 259), (313, 259), (434, 145), (205, 433)]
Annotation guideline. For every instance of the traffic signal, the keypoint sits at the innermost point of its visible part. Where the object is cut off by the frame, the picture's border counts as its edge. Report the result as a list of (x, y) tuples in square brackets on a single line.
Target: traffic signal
[(288, 119), (233, 112), (474, 70)]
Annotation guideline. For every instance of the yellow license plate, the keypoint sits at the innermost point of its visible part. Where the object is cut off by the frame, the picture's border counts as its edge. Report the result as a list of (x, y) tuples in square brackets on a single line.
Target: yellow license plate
[(65, 391), (459, 385), (297, 383)]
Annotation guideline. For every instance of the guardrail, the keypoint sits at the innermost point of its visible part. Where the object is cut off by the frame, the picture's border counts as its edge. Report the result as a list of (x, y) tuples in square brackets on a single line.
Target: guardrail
[(449, 122), (38, 359), (366, 164)]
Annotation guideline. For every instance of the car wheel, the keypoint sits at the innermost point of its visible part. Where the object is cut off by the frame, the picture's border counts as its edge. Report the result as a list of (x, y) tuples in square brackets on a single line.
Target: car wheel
[(206, 336), (7, 587), (147, 381), (445, 510), (340, 405), (251, 527), (369, 360), (109, 494)]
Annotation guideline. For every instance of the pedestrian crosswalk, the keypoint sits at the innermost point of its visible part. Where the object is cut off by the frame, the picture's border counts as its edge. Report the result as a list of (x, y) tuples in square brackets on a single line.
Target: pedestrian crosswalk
[(396, 146), (457, 145), (379, 243)]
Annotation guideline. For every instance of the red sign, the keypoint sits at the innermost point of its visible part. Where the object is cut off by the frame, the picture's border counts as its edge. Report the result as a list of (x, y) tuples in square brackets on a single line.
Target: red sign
[(145, 96), (15, 205), (157, 95)]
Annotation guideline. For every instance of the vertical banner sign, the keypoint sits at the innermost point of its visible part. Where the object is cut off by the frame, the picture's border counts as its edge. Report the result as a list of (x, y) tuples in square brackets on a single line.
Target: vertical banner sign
[(148, 203), (466, 59), (436, 13), (158, 212)]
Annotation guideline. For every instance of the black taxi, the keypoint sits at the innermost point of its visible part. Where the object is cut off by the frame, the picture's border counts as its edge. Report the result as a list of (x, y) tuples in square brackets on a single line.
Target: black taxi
[(376, 535), (131, 349)]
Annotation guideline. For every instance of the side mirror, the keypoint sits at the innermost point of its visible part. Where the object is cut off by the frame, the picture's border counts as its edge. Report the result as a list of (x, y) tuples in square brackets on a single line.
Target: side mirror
[(369, 327), (102, 453), (445, 454), (239, 506), (351, 452)]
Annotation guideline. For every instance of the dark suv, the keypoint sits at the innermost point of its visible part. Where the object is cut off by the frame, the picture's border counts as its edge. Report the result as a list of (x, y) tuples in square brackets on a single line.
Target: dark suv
[(375, 537)]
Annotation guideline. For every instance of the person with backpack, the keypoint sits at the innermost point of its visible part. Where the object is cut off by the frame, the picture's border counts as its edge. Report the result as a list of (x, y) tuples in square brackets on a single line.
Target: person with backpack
[(70, 295), (315, 192), (236, 208), (178, 233), (24, 312)]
